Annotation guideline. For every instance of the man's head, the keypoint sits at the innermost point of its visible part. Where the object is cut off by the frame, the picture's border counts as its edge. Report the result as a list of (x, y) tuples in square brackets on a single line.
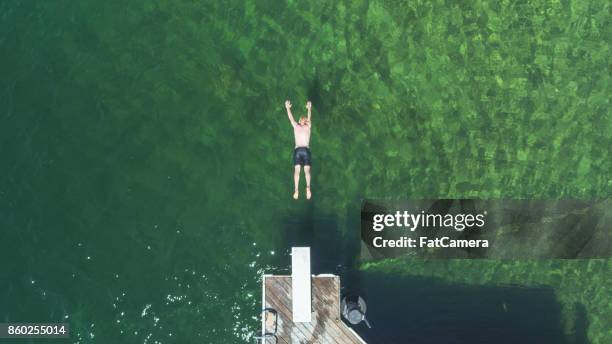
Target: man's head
[(303, 120)]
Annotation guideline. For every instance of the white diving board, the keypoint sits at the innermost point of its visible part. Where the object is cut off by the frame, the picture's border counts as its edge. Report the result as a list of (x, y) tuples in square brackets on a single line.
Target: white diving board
[(301, 284)]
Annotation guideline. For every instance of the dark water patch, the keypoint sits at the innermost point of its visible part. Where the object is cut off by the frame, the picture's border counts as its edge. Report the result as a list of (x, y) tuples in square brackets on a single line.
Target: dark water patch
[(424, 310), (581, 325)]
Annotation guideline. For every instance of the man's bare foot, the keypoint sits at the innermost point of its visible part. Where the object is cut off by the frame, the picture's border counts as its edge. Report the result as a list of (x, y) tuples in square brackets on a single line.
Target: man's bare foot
[(295, 195), (308, 194)]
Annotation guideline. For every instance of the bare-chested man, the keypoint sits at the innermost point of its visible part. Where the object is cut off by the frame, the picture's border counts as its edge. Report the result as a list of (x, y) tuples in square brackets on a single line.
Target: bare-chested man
[(301, 154)]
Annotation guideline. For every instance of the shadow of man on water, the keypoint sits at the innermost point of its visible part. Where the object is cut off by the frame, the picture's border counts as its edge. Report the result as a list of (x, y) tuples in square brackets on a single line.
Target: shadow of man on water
[(331, 250)]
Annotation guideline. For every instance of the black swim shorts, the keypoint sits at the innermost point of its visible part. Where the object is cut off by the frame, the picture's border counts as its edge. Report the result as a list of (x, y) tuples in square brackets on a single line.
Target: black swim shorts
[(301, 156)]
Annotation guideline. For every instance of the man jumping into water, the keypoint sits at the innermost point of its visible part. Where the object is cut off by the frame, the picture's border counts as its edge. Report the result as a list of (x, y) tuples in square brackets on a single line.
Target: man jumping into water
[(301, 154)]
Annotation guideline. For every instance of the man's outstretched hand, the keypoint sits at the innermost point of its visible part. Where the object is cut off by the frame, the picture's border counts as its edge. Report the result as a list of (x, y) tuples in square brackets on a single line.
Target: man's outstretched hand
[(287, 104), (308, 105)]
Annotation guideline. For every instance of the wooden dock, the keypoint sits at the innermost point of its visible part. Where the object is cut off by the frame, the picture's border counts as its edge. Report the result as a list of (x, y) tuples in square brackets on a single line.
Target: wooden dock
[(325, 325)]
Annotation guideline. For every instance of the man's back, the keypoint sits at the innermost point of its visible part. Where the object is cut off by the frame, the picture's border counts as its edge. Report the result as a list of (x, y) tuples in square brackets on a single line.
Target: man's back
[(302, 135)]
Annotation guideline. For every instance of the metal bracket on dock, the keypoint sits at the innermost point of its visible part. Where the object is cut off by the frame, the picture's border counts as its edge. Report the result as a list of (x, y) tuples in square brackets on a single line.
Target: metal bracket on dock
[(266, 334)]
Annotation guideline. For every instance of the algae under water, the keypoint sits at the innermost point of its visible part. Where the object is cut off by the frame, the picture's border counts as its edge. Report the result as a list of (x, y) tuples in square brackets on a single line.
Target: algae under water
[(146, 156)]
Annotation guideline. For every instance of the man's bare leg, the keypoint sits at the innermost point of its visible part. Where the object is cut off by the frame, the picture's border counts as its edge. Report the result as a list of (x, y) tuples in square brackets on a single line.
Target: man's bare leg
[(307, 174), (296, 180)]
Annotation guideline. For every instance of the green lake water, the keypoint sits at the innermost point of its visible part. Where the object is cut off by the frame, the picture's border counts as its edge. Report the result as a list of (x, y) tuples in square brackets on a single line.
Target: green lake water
[(146, 160)]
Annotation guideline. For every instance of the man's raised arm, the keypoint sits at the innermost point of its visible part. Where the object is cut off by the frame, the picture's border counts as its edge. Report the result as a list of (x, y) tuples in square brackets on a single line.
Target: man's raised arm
[(288, 108), (309, 107)]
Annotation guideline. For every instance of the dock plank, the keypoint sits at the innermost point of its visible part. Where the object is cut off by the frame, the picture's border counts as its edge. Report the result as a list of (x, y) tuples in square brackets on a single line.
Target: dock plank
[(325, 326), (305, 331), (297, 332)]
